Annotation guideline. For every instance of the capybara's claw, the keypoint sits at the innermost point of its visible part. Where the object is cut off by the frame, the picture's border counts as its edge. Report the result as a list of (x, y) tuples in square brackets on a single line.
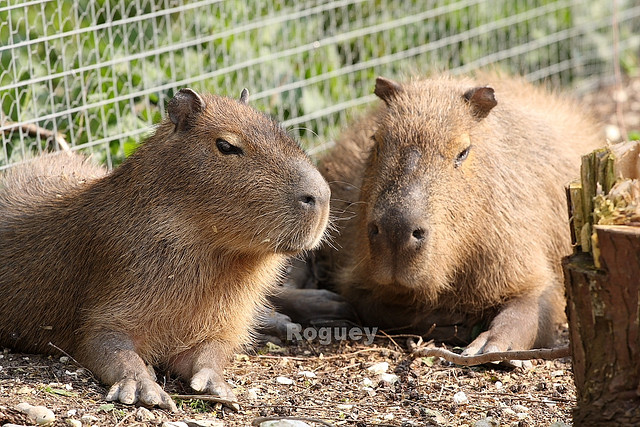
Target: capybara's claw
[(145, 390), (207, 380)]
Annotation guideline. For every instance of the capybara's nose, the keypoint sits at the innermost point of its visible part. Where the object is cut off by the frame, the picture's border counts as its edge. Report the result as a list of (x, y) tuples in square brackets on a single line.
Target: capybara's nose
[(313, 192), (397, 232), (307, 201)]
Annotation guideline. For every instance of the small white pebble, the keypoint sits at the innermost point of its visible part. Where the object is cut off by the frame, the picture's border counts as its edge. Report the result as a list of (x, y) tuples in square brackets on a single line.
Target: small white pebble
[(344, 407), (557, 373), (389, 378), (88, 419), (379, 368), (371, 392), (252, 394), (521, 415), (307, 374), (367, 382), (39, 414), (389, 416), (486, 422), (284, 380), (23, 406), (498, 385), (24, 390), (64, 359), (72, 412), (73, 423), (144, 415), (520, 408), (508, 411), (460, 398)]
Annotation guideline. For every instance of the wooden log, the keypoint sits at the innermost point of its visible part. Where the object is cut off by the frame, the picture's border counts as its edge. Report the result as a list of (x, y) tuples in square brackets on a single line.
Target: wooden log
[(604, 316)]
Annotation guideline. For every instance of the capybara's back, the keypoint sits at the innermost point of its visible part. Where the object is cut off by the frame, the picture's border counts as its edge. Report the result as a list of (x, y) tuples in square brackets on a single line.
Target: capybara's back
[(453, 207), (27, 194)]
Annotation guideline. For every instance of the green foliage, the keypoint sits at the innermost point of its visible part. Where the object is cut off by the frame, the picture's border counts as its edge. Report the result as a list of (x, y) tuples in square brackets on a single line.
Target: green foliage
[(58, 391), (100, 71), (111, 408), (197, 405)]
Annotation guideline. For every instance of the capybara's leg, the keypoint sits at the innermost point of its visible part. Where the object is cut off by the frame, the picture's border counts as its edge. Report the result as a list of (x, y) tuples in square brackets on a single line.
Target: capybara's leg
[(203, 366), (523, 323), (111, 356), (272, 326), (312, 305)]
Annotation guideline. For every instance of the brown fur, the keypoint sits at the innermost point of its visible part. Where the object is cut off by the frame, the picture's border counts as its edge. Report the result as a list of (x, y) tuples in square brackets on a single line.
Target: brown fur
[(490, 231), (169, 256)]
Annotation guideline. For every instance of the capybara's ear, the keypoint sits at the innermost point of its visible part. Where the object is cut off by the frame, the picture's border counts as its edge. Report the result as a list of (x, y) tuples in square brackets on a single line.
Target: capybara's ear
[(244, 96), (184, 103), (482, 100), (387, 89)]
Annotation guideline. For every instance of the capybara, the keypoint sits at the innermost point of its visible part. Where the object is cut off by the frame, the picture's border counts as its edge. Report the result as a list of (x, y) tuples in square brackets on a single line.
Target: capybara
[(451, 209), (166, 260)]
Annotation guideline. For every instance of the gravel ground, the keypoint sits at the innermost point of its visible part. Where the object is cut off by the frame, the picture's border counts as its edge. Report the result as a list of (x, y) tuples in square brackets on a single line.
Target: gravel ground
[(330, 383)]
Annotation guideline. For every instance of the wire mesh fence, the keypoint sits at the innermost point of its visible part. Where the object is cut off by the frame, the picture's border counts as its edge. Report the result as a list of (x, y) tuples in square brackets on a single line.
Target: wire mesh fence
[(96, 74)]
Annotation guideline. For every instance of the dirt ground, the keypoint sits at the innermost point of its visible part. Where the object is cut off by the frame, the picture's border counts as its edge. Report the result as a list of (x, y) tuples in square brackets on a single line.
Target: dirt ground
[(328, 383)]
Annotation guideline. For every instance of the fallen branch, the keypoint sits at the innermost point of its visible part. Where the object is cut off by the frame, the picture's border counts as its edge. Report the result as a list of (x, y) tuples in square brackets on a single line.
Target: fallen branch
[(498, 356), (36, 131)]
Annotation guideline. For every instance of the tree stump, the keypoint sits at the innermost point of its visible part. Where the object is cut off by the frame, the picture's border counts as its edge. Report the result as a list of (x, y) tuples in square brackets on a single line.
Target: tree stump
[(604, 316)]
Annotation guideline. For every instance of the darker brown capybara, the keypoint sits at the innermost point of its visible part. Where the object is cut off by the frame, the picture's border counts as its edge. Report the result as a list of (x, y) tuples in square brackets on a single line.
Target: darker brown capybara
[(451, 209), (164, 261)]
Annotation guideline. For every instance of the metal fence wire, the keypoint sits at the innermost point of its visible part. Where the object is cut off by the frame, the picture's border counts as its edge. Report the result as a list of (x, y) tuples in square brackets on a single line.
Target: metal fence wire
[(96, 74)]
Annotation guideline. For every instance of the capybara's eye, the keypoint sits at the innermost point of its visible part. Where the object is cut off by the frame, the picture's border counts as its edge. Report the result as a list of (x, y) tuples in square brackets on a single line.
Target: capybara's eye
[(227, 148), (462, 156)]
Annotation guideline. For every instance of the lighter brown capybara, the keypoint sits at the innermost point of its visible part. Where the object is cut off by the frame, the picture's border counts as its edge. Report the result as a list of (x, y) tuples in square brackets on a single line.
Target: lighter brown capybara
[(452, 211), (164, 261)]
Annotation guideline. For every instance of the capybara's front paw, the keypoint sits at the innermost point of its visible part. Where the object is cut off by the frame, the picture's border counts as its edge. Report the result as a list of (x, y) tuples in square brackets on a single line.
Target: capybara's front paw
[(144, 390), (207, 380), (491, 342), (487, 342)]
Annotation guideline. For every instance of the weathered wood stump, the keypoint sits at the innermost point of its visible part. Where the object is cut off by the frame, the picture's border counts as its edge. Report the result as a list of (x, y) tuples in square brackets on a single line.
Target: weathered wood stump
[(604, 316)]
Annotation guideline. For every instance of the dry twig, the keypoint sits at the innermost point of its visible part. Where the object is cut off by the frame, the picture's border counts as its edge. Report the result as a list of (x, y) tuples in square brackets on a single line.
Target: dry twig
[(36, 131), (498, 356)]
